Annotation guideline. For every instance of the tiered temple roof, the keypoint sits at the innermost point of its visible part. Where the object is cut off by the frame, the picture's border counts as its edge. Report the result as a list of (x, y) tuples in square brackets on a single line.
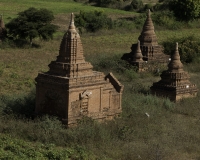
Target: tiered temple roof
[(70, 61), (150, 48), (174, 82), (148, 36)]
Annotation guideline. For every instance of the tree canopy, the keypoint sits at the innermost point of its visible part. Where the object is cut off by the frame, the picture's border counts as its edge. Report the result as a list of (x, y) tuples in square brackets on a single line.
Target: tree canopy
[(136, 4), (185, 10), (32, 23), (93, 21)]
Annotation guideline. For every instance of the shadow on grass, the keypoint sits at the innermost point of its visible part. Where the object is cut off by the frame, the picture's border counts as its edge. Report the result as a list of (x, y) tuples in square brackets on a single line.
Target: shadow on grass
[(19, 43), (18, 105), (25, 44)]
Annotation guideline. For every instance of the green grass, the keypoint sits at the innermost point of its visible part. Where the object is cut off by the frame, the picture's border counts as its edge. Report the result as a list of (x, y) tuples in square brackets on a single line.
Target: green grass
[(10, 8), (12, 148), (171, 132)]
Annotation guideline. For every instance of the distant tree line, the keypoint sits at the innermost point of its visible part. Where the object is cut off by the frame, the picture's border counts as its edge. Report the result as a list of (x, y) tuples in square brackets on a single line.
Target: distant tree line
[(129, 5), (184, 10), (33, 23)]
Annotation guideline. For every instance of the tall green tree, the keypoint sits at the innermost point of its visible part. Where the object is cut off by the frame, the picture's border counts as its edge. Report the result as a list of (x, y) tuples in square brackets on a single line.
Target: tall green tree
[(32, 23), (185, 10)]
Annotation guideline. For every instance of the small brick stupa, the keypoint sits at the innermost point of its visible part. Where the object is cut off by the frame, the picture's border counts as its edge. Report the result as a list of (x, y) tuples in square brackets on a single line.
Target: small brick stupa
[(2, 29), (150, 48), (71, 89), (174, 82), (137, 59)]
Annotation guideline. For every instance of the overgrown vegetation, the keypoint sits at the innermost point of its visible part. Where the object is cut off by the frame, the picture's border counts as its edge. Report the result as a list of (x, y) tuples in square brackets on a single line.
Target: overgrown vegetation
[(170, 132), (185, 10), (20, 149), (189, 48), (92, 21), (132, 135)]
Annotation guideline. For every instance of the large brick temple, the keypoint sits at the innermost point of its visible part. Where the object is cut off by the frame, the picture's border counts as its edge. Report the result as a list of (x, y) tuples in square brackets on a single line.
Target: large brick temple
[(71, 89), (174, 82)]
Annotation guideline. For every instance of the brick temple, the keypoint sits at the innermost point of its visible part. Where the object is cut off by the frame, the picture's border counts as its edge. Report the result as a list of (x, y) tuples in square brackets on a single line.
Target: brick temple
[(152, 52), (137, 59), (71, 89), (174, 82)]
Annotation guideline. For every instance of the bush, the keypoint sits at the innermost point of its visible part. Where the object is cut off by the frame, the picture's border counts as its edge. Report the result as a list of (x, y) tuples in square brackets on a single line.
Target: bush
[(139, 20), (189, 48), (148, 6), (92, 21), (166, 19), (136, 5), (110, 3), (185, 10), (20, 105), (111, 63), (161, 6), (117, 4)]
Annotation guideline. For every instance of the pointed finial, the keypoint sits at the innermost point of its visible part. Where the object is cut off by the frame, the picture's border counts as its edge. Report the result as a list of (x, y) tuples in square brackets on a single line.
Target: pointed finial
[(176, 53), (175, 63), (138, 47), (149, 12), (137, 57), (176, 46), (71, 26)]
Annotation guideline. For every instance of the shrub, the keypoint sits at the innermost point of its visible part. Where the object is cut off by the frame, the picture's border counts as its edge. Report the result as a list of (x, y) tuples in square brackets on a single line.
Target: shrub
[(148, 6), (92, 21), (185, 10), (110, 3), (189, 48), (21, 105), (166, 19), (139, 20), (117, 4), (161, 6), (136, 5), (112, 63)]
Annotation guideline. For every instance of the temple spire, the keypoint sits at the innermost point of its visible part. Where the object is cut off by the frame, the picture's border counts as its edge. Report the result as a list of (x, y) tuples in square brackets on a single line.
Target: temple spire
[(71, 25), (149, 13), (176, 46), (176, 54), (175, 63), (71, 50), (148, 36), (71, 54), (138, 54)]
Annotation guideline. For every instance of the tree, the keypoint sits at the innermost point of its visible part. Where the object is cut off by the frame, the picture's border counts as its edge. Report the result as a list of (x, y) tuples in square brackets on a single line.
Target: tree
[(136, 4), (93, 21), (32, 23), (185, 10)]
